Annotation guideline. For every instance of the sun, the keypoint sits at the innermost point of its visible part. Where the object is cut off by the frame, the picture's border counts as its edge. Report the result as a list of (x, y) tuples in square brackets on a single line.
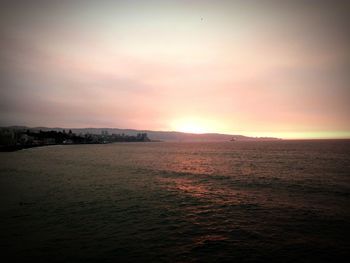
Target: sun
[(189, 126)]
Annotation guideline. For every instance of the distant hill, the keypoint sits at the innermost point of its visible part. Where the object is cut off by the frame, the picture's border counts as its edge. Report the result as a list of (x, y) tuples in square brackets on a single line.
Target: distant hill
[(153, 135)]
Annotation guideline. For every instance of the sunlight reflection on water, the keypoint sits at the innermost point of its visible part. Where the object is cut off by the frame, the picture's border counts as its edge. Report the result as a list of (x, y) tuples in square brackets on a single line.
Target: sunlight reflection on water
[(243, 201)]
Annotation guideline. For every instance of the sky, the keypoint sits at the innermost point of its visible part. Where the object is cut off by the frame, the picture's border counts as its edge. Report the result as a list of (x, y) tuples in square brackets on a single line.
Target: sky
[(256, 68)]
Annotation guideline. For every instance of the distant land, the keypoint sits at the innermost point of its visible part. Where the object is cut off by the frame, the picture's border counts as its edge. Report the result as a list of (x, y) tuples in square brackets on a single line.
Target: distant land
[(170, 136)]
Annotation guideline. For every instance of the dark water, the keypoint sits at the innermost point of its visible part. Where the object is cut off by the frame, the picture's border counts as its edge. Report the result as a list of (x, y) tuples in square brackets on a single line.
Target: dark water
[(284, 201)]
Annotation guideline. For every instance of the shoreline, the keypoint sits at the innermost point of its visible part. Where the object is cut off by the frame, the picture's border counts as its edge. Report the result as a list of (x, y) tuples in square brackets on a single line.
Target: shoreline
[(14, 148)]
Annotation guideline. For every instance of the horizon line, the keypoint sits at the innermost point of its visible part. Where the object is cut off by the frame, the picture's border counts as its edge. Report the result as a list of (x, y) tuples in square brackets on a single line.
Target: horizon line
[(192, 133)]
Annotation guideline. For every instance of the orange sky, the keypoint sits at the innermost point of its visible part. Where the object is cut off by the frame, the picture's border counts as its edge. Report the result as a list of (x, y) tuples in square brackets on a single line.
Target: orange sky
[(260, 68)]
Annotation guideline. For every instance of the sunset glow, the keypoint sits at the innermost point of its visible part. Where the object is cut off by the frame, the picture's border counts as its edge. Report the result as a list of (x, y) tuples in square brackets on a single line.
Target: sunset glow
[(262, 68), (189, 126), (175, 130)]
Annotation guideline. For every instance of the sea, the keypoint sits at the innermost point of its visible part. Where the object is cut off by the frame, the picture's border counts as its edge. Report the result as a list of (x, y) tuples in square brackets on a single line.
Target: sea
[(242, 201)]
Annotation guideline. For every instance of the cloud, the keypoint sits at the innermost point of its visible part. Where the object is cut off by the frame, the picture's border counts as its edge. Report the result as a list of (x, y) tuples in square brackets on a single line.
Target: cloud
[(251, 67)]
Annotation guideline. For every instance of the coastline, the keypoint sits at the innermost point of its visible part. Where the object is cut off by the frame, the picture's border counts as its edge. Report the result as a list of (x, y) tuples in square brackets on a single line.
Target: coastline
[(14, 148)]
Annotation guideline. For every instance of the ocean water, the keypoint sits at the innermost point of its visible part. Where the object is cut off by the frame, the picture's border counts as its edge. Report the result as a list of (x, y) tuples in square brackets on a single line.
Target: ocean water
[(278, 201)]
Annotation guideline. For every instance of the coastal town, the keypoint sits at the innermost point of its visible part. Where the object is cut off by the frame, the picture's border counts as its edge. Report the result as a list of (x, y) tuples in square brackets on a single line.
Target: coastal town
[(16, 139)]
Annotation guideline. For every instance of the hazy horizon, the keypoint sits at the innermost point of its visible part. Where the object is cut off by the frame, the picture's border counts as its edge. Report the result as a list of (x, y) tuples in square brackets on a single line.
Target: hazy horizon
[(253, 68), (323, 137)]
